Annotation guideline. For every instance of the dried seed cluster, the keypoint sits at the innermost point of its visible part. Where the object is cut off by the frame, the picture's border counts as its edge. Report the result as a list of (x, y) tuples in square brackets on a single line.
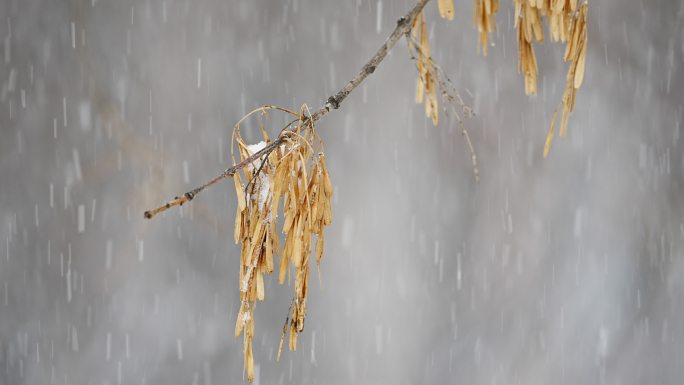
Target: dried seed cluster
[(484, 20), (293, 168), (575, 53), (296, 174), (528, 24), (561, 16), (567, 23)]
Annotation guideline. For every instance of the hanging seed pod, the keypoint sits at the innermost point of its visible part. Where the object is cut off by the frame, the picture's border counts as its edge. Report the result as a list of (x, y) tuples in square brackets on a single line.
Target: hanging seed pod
[(293, 174), (528, 23), (527, 61), (426, 87), (446, 9), (576, 54), (484, 21), (550, 134)]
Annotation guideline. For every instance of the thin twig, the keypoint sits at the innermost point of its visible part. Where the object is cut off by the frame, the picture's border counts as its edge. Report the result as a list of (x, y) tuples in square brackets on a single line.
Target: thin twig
[(282, 336), (453, 97), (333, 103), (263, 162), (190, 195), (252, 182)]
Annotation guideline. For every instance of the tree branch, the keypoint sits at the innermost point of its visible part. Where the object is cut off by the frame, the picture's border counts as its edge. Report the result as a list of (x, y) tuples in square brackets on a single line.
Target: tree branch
[(403, 27)]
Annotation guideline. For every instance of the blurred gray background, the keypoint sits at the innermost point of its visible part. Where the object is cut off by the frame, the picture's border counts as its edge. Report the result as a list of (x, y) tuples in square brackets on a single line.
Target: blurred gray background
[(567, 270)]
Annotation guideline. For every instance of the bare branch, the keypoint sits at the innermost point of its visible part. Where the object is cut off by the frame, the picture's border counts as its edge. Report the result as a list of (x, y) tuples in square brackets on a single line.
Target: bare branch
[(333, 102), (451, 95)]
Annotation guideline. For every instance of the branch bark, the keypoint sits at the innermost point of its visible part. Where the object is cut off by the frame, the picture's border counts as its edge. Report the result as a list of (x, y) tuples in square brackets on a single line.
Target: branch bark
[(403, 27)]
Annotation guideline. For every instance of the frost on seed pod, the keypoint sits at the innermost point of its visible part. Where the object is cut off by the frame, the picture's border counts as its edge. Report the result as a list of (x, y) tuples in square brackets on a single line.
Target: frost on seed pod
[(296, 174)]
